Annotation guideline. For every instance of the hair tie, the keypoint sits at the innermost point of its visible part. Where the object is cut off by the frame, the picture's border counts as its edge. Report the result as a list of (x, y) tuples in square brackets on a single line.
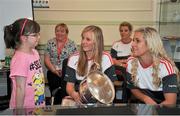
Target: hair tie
[(23, 26)]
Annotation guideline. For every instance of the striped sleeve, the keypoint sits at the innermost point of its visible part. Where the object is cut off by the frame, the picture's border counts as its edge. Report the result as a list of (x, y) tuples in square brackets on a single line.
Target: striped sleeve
[(166, 68)]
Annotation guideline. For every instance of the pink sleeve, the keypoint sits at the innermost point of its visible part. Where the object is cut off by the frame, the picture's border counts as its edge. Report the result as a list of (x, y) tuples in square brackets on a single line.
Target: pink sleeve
[(19, 66)]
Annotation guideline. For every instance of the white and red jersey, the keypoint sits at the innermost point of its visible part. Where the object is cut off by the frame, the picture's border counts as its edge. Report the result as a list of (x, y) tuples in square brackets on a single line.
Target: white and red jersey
[(120, 50), (106, 65), (145, 79)]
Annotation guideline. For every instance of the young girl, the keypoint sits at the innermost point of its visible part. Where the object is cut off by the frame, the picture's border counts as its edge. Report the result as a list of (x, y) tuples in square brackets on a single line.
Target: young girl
[(25, 70)]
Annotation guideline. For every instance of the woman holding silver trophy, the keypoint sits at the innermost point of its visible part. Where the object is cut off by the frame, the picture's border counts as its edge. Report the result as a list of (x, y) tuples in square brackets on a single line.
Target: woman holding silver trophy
[(90, 72)]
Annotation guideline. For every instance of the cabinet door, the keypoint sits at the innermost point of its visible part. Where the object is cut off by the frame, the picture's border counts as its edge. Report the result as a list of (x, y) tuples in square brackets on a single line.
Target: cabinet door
[(169, 24)]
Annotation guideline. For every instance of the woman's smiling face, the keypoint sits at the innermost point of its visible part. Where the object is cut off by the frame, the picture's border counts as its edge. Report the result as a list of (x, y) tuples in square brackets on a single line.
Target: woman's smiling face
[(139, 46), (87, 41)]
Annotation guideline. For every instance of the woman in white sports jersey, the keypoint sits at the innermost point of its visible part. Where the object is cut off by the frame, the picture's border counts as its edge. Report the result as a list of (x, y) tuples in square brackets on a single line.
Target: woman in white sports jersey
[(152, 75), (91, 50), (121, 49)]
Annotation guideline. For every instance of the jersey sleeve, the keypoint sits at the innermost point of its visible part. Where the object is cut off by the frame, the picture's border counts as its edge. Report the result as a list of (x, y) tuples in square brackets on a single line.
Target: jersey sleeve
[(170, 84), (70, 75), (113, 53), (110, 72)]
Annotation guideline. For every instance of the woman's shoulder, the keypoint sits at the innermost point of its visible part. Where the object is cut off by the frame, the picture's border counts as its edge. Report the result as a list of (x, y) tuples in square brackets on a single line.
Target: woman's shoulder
[(166, 65), (106, 56), (131, 58), (73, 59), (165, 62), (117, 42), (74, 55), (52, 40), (71, 41)]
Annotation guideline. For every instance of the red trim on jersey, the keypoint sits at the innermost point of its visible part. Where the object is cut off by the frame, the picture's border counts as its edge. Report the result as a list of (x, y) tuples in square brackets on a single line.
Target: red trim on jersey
[(168, 66), (107, 53), (144, 67), (130, 58)]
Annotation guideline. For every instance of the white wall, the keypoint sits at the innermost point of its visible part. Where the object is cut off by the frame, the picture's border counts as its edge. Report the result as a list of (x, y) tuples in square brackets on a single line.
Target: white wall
[(107, 14)]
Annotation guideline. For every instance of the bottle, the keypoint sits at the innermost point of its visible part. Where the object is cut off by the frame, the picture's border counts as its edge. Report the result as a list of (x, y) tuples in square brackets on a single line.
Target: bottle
[(7, 61)]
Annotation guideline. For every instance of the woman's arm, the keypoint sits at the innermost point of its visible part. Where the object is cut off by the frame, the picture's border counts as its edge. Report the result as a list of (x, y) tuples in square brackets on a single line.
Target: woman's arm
[(71, 91), (142, 97), (20, 91), (49, 65), (170, 99), (170, 89)]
